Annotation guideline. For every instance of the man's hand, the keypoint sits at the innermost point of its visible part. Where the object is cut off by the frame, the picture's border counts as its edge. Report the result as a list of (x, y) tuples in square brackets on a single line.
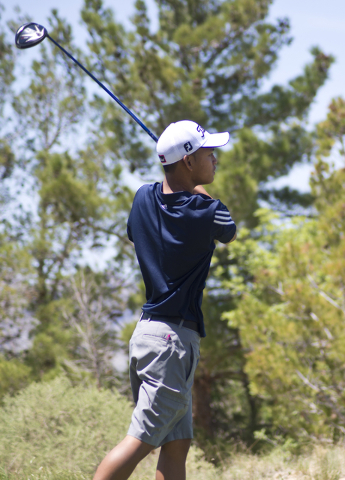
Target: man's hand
[(200, 189)]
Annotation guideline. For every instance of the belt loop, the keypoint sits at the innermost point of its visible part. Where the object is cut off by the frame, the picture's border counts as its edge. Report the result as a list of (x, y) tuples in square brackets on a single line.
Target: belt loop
[(181, 323)]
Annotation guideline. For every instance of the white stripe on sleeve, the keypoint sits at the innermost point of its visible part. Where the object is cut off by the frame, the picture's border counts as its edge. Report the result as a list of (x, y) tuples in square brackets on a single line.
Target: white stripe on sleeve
[(222, 212), (224, 223), (223, 217)]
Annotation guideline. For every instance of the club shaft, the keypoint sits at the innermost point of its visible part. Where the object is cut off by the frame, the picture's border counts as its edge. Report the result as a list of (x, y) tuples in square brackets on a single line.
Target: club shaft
[(139, 122)]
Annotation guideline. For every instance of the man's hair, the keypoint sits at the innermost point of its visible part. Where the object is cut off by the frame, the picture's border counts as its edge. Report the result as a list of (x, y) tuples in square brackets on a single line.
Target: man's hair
[(170, 168)]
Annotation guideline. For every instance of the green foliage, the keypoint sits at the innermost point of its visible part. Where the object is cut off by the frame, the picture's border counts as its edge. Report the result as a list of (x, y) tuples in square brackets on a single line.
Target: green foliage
[(333, 128), (294, 101), (13, 376), (290, 316), (6, 159), (16, 316), (7, 63), (127, 331), (207, 61), (69, 200), (49, 351), (6, 66), (53, 431), (58, 431), (58, 427)]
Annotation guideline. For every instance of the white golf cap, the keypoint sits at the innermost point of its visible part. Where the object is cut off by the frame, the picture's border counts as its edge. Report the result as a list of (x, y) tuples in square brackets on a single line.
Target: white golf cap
[(184, 138)]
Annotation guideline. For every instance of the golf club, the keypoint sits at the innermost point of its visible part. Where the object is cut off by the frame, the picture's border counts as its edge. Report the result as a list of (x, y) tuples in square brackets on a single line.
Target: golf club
[(31, 34)]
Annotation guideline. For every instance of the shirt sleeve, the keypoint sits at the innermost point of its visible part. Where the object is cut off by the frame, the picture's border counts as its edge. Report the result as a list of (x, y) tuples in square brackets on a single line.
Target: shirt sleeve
[(133, 212), (129, 233), (129, 222), (224, 228)]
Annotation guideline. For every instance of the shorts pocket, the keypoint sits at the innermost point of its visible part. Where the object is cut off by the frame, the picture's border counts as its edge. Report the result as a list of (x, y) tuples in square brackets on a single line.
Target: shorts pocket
[(191, 362), (156, 337), (194, 360)]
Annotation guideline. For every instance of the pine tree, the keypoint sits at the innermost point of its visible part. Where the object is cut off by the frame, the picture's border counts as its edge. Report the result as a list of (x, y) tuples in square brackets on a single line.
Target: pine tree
[(291, 313), (69, 199), (207, 62), (7, 78)]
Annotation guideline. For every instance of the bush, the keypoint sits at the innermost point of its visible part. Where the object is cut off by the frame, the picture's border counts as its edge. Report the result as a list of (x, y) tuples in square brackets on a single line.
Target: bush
[(54, 431), (60, 427), (14, 375)]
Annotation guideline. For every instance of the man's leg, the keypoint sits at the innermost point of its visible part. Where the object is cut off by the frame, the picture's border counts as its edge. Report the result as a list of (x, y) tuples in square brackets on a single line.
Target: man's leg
[(172, 460), (122, 460)]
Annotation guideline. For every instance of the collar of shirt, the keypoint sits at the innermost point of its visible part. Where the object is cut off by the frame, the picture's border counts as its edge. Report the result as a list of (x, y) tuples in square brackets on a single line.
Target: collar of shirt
[(172, 198)]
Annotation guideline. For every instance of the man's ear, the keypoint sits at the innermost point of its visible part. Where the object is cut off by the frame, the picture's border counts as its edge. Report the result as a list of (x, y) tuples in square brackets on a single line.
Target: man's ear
[(187, 160)]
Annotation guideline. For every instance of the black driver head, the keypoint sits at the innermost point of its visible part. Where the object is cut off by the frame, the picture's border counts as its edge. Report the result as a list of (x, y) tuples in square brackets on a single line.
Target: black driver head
[(29, 35)]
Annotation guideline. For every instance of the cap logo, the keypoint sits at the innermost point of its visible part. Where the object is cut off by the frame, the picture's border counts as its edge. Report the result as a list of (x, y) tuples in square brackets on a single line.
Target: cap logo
[(162, 159), (200, 130), (188, 147)]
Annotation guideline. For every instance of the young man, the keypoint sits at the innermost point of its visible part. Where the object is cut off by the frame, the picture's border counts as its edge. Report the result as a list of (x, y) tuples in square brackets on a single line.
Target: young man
[(173, 226)]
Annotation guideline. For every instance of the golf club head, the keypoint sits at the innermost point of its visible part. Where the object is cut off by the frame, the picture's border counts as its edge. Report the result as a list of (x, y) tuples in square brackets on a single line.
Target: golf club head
[(29, 35)]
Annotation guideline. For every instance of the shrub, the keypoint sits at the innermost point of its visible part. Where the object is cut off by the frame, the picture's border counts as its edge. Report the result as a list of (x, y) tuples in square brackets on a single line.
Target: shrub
[(60, 427), (54, 431), (14, 375)]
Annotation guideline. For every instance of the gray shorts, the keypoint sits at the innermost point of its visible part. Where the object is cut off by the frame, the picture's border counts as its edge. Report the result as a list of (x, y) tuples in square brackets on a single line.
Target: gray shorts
[(163, 359)]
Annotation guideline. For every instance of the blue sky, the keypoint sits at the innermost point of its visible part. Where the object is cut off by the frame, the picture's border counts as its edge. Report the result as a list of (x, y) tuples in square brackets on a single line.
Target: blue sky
[(314, 22)]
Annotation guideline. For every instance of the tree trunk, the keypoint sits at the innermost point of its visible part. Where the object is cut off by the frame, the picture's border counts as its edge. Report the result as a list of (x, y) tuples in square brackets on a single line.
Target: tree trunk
[(202, 412)]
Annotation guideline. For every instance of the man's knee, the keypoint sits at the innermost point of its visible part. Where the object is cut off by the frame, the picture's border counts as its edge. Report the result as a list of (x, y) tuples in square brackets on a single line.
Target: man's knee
[(177, 448), (137, 447)]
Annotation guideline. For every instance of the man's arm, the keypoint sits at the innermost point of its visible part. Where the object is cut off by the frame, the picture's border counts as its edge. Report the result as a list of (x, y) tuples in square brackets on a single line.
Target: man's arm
[(200, 189), (233, 238), (224, 228)]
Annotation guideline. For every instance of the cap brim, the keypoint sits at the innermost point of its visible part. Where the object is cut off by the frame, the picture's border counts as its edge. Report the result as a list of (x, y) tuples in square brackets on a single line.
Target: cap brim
[(217, 140)]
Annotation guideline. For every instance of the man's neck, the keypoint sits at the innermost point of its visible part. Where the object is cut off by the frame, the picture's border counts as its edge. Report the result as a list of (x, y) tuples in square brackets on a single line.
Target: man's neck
[(173, 185)]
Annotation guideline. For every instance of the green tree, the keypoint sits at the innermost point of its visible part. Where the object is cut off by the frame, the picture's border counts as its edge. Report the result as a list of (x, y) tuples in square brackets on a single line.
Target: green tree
[(6, 80), (70, 201), (291, 312), (208, 61)]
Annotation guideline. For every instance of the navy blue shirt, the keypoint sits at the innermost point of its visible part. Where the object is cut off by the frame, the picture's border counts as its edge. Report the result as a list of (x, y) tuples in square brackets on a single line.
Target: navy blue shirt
[(173, 236)]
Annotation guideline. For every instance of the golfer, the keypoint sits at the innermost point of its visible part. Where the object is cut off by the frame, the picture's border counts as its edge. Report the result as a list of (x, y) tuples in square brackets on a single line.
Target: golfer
[(173, 225)]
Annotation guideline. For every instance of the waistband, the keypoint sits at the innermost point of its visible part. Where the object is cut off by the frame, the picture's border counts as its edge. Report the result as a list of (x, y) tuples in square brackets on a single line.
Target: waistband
[(175, 320)]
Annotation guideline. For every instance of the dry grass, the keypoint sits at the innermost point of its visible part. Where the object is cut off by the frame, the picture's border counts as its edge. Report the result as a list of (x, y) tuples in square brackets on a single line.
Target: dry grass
[(54, 431), (324, 463)]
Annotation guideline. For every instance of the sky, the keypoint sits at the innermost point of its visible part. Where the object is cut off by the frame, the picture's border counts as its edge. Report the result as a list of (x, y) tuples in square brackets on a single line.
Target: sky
[(313, 22)]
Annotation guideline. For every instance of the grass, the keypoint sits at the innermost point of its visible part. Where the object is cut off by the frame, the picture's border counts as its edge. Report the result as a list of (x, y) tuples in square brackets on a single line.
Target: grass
[(323, 463), (54, 431)]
